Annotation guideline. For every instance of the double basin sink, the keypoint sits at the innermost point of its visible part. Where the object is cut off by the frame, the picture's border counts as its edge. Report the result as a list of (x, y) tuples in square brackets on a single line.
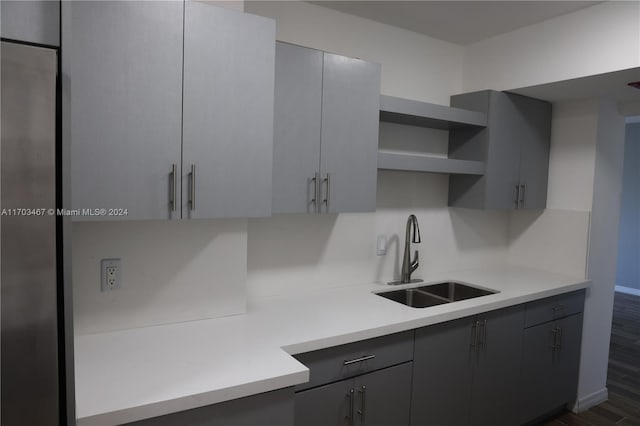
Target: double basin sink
[(435, 294)]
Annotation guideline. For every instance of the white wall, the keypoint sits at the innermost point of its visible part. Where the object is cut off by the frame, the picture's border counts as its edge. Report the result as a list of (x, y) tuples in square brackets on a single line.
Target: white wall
[(597, 39), (573, 155), (552, 240), (603, 250), (171, 272), (414, 66)]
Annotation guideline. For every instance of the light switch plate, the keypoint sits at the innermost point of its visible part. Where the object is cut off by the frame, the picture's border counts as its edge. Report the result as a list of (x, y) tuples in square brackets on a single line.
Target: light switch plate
[(381, 245), (110, 274)]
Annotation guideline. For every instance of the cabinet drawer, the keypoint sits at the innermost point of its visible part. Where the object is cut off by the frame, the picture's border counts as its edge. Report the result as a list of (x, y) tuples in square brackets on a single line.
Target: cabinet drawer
[(553, 308), (339, 362)]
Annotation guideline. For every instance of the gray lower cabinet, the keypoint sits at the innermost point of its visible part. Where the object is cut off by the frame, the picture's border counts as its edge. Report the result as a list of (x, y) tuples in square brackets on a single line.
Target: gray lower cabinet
[(550, 363), (328, 405), (379, 398), (270, 408), (36, 21), (514, 147), (170, 109), (467, 371), (326, 132)]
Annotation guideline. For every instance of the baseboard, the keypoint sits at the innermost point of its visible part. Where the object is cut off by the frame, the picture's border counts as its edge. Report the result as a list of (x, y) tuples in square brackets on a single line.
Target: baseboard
[(628, 290), (584, 403)]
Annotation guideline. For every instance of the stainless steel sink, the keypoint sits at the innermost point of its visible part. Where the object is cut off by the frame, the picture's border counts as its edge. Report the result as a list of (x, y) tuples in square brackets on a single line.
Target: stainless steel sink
[(435, 294), (454, 291), (413, 297)]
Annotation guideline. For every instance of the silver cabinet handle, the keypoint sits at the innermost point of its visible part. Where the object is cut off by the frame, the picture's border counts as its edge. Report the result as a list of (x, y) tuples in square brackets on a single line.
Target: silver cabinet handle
[(522, 194), (474, 334), (351, 407), (192, 187), (362, 358), (316, 184), (363, 403), (553, 333), (327, 194), (559, 308), (483, 334), (559, 336), (516, 196), (172, 196)]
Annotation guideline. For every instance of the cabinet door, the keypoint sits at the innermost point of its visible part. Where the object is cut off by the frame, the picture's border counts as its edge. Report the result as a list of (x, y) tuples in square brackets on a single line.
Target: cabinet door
[(567, 360), (270, 408), (442, 373), (31, 21), (297, 117), (496, 372), (383, 397), (349, 149), (122, 76), (537, 375), (503, 154), (533, 122), (228, 112), (328, 405)]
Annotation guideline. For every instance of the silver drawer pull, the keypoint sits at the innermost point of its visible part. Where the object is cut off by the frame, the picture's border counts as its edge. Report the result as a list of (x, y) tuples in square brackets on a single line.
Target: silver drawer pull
[(559, 308), (363, 358)]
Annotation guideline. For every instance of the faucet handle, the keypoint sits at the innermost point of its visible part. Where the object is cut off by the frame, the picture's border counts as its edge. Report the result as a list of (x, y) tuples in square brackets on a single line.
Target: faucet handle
[(415, 262)]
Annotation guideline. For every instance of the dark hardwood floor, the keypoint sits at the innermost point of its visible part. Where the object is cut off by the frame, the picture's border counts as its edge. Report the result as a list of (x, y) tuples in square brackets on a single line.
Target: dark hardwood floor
[(623, 380)]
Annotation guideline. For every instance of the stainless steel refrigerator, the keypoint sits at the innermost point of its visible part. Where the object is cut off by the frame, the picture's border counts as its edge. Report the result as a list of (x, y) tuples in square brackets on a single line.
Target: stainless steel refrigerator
[(32, 344)]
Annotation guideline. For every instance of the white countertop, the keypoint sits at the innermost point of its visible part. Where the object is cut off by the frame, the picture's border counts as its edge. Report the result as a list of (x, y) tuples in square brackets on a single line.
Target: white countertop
[(135, 374)]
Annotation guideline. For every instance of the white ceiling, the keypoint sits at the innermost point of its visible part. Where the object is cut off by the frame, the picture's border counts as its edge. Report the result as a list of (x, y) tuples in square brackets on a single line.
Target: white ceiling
[(612, 85), (460, 22)]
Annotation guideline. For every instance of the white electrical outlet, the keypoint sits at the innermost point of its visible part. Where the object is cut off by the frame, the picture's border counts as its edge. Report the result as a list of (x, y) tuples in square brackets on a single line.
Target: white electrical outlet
[(110, 274)]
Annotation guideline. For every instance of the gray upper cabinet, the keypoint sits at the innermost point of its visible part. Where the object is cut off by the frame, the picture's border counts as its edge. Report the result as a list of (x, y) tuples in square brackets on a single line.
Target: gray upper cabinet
[(229, 60), (350, 117), (31, 21), (296, 146), (171, 109), (326, 132), (514, 147), (122, 75)]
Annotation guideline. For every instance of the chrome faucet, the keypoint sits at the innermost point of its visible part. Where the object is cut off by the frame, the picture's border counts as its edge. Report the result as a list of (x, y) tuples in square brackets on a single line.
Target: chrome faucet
[(408, 265)]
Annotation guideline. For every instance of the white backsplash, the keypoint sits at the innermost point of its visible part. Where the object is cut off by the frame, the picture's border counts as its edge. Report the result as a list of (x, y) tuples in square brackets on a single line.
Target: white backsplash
[(288, 252), (553, 240), (172, 271), (190, 270)]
